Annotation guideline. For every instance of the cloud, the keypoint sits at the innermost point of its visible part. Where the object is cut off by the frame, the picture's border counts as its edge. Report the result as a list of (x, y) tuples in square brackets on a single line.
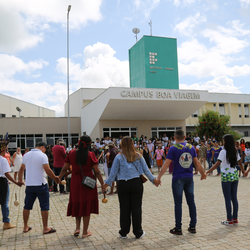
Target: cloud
[(40, 93), (245, 2), (199, 60), (101, 69), (146, 6), (187, 25), (10, 65), (25, 21), (184, 2), (220, 84)]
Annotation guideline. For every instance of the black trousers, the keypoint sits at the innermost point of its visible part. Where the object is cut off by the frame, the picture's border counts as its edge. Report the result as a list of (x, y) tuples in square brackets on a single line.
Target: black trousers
[(57, 172), (130, 198)]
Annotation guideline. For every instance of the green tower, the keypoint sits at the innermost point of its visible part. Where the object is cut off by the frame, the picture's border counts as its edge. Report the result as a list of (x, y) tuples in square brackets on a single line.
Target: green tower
[(153, 63)]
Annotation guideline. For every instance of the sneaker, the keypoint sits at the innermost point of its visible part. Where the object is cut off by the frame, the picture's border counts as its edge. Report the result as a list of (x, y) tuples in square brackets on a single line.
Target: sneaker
[(143, 234), (123, 237), (227, 222), (176, 231), (192, 230), (235, 222), (64, 192)]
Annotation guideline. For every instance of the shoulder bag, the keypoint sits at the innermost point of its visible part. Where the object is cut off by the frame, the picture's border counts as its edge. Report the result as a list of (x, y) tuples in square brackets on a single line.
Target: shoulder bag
[(88, 181), (143, 178)]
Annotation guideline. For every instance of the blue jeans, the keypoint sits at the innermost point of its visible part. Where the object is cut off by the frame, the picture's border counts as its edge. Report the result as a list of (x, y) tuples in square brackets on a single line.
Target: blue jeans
[(230, 194), (5, 207), (210, 164), (152, 161), (185, 184), (218, 169)]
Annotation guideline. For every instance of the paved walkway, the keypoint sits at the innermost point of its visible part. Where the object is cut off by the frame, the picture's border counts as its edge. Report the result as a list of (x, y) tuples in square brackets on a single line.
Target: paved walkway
[(158, 218)]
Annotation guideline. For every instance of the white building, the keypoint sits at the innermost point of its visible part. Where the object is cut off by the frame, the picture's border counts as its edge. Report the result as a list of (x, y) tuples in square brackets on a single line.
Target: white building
[(152, 112), (9, 104)]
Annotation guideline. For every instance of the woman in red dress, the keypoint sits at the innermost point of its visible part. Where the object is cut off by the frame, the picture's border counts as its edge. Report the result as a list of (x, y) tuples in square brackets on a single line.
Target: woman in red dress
[(83, 201)]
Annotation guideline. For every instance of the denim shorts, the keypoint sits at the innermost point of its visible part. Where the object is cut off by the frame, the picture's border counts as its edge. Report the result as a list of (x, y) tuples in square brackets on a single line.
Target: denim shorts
[(40, 192)]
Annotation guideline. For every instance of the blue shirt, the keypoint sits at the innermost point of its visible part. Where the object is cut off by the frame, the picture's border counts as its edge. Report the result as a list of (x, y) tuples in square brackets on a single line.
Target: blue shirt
[(216, 151), (182, 155), (209, 153), (128, 170)]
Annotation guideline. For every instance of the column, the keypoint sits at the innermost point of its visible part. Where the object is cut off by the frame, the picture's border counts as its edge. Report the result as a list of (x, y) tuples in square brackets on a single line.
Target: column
[(217, 106), (242, 113), (230, 112)]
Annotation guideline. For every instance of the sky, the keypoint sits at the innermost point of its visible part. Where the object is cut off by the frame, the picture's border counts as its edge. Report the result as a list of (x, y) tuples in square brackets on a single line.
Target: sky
[(213, 38)]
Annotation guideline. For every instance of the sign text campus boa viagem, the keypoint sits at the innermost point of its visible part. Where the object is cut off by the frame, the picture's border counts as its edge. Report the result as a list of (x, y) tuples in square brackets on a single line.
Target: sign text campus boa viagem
[(161, 94)]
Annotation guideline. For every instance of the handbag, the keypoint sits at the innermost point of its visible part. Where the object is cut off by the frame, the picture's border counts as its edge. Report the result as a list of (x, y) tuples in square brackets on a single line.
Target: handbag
[(143, 178), (88, 181)]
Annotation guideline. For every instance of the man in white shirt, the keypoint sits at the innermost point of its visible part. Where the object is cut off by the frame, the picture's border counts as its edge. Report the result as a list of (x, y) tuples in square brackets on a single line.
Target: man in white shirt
[(37, 166), (4, 186), (97, 143), (197, 138), (165, 140), (107, 140)]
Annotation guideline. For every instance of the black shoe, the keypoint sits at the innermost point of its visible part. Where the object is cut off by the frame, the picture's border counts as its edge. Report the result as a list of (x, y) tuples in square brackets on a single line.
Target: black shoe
[(176, 231), (55, 191), (63, 192), (192, 230)]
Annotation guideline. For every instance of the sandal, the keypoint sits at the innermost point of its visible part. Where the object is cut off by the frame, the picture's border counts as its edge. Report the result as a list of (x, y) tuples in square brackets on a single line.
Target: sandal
[(87, 235), (27, 230), (76, 233), (52, 230)]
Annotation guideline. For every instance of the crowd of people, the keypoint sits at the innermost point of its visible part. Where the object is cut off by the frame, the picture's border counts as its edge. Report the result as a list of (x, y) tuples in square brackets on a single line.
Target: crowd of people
[(125, 161)]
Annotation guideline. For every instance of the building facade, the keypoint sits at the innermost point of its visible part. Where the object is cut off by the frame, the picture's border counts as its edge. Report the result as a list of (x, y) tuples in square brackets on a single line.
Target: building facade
[(8, 108)]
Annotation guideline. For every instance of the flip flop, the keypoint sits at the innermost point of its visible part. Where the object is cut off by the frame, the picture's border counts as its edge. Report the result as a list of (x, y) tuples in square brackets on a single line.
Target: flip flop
[(52, 230), (27, 230), (87, 235), (76, 233)]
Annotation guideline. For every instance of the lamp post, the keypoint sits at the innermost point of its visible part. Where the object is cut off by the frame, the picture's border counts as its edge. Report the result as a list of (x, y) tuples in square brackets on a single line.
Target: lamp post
[(19, 111), (69, 8)]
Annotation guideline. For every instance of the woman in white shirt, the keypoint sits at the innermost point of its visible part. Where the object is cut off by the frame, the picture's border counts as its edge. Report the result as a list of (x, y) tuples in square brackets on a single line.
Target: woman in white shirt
[(227, 160), (17, 158)]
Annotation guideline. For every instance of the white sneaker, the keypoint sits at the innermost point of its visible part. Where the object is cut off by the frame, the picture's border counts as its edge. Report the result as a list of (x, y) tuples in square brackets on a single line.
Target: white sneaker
[(227, 222), (143, 234), (123, 237)]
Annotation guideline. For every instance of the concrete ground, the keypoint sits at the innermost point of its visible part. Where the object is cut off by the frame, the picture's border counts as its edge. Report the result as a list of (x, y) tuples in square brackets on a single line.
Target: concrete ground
[(158, 219)]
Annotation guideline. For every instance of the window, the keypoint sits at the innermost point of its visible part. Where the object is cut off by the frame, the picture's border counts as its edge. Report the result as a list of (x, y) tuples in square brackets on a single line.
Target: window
[(246, 110), (195, 114), (245, 133), (214, 107), (239, 110), (222, 109), (169, 131), (13, 115), (115, 132), (2, 115)]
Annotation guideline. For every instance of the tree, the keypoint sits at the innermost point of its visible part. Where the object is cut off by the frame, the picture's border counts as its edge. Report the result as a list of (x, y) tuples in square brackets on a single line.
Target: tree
[(214, 125)]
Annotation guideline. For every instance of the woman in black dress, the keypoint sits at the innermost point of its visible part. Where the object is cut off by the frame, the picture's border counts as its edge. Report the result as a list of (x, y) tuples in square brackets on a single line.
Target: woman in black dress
[(147, 156)]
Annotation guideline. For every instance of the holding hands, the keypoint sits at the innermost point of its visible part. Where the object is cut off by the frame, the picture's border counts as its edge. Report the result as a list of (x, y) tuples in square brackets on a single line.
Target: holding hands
[(204, 176), (157, 182), (104, 188), (20, 183)]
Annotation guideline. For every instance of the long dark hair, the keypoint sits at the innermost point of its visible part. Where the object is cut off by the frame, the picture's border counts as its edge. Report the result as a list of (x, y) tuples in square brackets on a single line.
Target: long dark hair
[(229, 145), (84, 146)]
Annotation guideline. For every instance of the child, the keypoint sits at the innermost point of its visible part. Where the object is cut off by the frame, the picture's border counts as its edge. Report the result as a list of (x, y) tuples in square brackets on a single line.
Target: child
[(247, 155), (159, 152)]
